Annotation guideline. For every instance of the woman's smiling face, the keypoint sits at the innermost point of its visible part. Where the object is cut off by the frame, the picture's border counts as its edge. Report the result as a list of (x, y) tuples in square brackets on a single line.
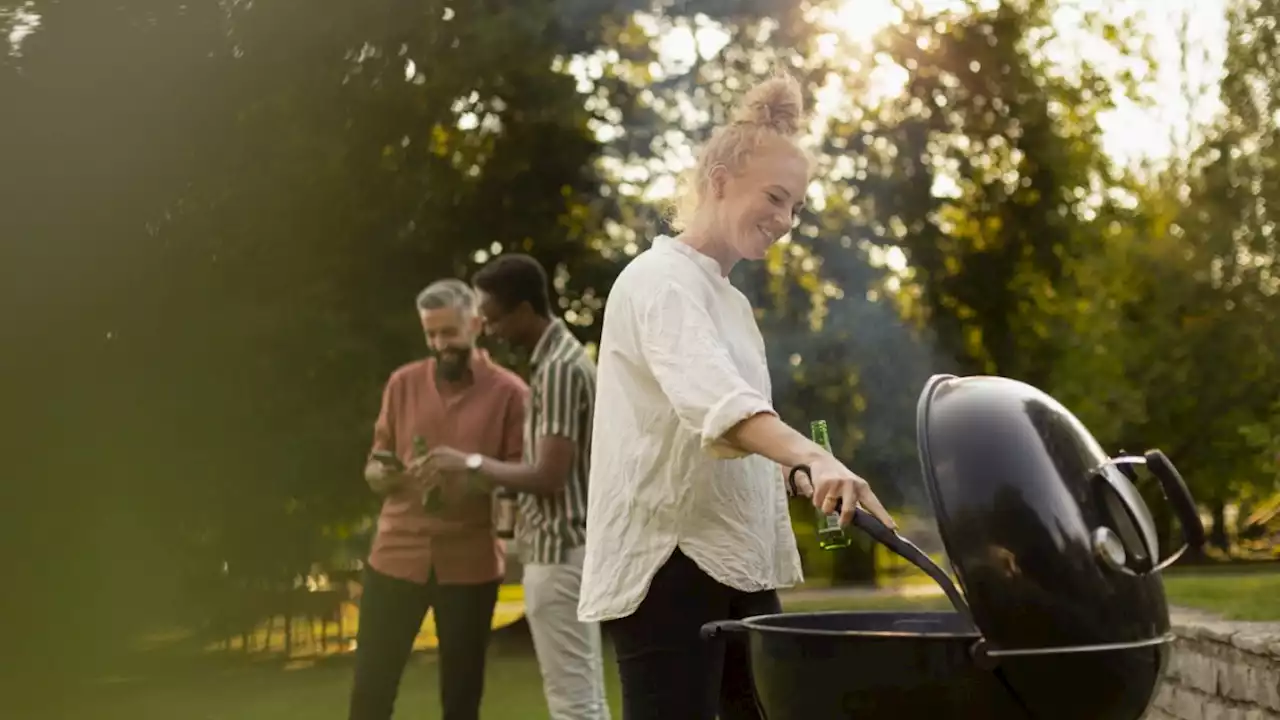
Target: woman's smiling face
[(759, 204)]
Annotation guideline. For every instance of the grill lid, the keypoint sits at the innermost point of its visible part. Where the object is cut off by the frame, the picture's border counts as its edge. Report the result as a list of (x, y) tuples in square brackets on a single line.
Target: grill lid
[(1049, 538)]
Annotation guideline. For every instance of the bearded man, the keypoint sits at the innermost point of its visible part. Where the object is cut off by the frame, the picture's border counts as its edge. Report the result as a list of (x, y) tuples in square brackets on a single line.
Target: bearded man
[(435, 546)]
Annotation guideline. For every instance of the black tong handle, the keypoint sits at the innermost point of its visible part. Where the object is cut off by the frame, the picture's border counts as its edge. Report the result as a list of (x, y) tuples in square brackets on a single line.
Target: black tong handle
[(871, 525)]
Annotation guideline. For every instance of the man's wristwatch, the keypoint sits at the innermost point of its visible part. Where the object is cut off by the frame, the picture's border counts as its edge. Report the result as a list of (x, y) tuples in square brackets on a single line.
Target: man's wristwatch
[(477, 481)]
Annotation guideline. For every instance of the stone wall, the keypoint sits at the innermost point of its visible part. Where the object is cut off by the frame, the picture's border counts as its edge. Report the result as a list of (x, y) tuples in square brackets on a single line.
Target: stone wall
[(1221, 671)]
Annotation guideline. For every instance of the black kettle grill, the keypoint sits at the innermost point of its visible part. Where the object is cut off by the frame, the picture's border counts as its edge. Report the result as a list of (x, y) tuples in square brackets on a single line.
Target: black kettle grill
[(1061, 613)]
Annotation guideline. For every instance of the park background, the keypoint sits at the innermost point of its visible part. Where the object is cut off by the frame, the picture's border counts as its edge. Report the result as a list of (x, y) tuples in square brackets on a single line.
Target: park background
[(215, 214)]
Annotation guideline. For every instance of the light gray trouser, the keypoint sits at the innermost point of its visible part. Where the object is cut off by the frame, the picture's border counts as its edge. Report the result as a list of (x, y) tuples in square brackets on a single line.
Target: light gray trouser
[(569, 651)]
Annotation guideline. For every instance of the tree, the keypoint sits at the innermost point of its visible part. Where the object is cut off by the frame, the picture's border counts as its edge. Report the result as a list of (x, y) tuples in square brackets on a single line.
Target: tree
[(1222, 294), (226, 214)]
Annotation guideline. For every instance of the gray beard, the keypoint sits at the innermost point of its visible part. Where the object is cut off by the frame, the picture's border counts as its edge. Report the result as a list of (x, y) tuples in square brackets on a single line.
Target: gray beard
[(453, 367)]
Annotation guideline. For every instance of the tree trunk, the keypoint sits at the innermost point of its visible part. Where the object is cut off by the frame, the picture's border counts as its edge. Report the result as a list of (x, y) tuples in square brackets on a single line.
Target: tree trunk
[(1218, 537)]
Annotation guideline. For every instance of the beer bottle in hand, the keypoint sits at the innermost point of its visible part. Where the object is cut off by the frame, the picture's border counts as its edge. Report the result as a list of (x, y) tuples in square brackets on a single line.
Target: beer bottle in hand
[(504, 525), (830, 535)]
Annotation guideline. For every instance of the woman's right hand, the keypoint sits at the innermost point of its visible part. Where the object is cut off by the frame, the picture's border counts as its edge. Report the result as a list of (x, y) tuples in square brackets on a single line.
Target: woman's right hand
[(832, 481)]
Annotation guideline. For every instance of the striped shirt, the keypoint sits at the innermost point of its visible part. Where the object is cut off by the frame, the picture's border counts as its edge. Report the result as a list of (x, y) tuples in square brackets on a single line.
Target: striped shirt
[(562, 397)]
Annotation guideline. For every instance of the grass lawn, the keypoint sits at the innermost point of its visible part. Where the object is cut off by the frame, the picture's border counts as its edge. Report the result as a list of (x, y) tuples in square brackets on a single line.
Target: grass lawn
[(317, 690), (1246, 596), (1243, 596)]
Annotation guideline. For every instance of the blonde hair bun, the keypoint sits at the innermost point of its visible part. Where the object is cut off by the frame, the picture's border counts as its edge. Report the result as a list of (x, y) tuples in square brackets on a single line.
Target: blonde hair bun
[(776, 104)]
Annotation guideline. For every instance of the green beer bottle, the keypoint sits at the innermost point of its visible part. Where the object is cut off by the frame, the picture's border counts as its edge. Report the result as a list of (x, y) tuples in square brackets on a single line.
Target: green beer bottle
[(830, 535), (431, 501)]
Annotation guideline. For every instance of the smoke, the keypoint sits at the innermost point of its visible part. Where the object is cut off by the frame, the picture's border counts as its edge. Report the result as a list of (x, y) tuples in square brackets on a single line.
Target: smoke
[(866, 339)]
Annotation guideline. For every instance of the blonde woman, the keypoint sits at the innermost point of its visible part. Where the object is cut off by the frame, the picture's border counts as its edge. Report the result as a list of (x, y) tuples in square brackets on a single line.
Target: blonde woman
[(689, 519)]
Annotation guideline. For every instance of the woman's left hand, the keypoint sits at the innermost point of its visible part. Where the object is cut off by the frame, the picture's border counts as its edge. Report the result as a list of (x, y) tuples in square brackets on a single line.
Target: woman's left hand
[(833, 482)]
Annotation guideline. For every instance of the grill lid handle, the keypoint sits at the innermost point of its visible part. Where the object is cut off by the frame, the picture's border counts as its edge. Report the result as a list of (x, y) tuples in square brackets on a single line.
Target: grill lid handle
[(903, 547), (1176, 492)]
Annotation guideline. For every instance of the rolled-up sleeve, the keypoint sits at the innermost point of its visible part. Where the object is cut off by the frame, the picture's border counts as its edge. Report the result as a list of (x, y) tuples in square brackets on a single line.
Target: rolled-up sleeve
[(687, 356), (563, 390), (384, 428)]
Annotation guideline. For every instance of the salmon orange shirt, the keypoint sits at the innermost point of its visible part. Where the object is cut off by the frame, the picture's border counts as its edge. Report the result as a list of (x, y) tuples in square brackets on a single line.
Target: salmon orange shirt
[(485, 417)]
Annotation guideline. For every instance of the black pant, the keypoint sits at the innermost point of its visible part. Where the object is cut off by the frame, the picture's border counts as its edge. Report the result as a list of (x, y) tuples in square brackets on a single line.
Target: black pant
[(391, 613), (668, 671)]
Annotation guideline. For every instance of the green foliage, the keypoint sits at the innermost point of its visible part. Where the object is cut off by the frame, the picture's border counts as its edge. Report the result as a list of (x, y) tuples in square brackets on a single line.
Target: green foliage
[(1263, 438), (1204, 344), (226, 209)]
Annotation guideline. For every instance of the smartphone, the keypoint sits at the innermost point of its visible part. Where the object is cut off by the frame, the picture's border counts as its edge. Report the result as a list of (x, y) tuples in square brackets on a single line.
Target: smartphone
[(388, 459)]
